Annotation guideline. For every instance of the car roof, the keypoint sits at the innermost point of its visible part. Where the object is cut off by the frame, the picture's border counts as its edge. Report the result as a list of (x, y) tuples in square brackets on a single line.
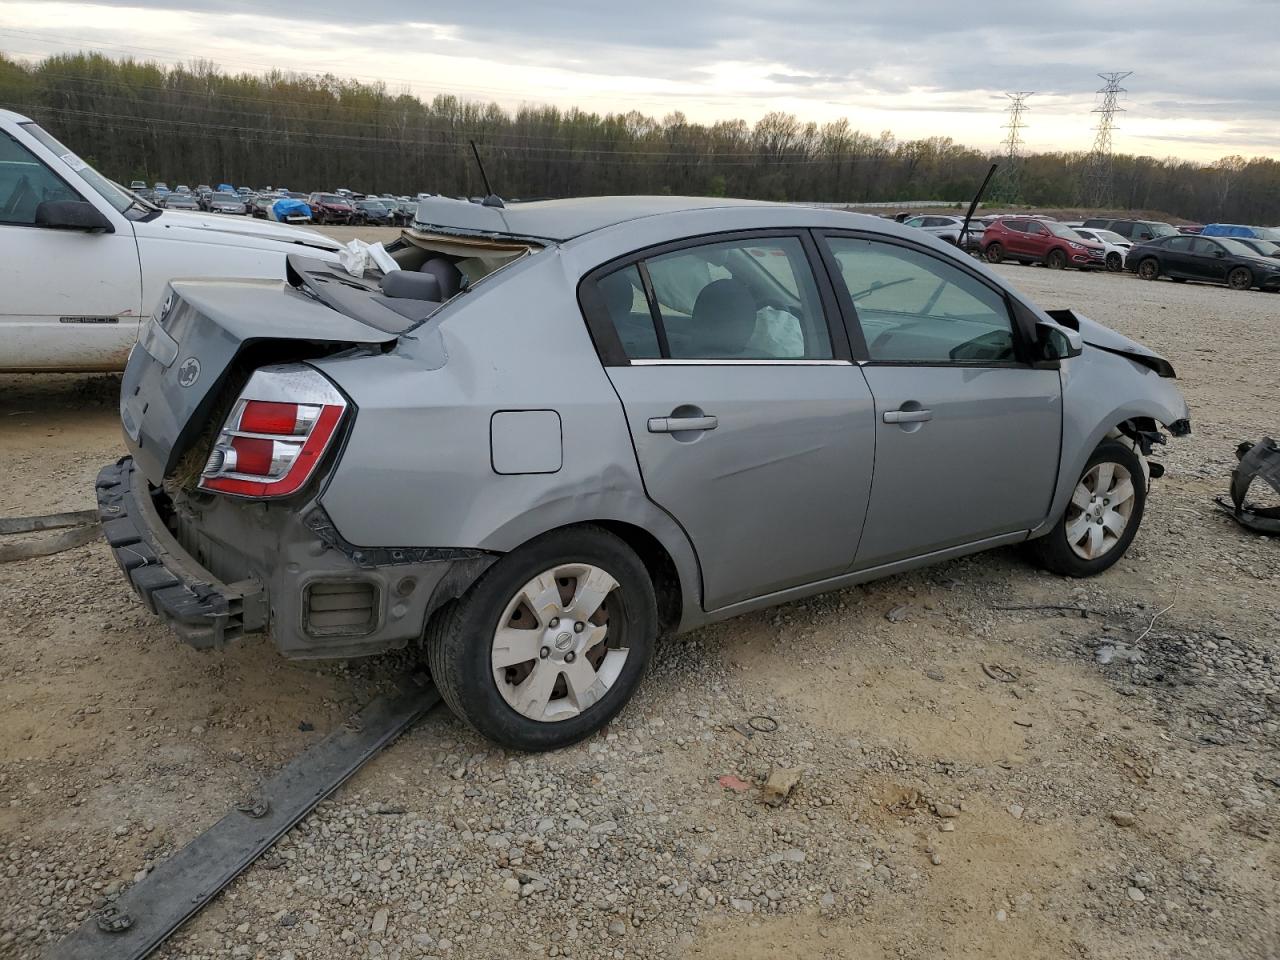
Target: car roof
[(560, 220), (15, 117)]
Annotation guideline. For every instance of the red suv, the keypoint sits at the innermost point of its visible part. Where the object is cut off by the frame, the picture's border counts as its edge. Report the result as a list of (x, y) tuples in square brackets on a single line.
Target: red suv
[(1031, 240), (330, 208)]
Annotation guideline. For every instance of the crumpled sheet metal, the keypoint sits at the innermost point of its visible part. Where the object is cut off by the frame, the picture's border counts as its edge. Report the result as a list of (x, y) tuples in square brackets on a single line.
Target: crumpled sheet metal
[(1258, 461)]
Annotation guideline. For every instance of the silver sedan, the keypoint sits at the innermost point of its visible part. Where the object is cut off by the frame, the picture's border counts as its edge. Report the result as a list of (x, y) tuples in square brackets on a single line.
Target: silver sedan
[(538, 436)]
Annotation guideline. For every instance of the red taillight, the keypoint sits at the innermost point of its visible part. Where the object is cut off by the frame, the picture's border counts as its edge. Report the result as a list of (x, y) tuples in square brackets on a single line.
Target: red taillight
[(270, 447)]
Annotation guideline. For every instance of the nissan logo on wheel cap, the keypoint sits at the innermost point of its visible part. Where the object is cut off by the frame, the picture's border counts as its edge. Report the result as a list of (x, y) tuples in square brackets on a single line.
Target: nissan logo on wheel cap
[(189, 372)]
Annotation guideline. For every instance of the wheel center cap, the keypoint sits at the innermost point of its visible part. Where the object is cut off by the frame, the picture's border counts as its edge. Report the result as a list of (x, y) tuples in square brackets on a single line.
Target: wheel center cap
[(564, 641)]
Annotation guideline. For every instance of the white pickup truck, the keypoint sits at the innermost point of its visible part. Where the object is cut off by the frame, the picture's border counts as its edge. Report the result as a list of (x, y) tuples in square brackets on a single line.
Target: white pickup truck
[(83, 261)]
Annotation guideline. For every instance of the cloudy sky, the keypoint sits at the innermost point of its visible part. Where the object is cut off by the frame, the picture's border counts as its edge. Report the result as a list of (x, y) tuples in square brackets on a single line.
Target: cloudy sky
[(1205, 79)]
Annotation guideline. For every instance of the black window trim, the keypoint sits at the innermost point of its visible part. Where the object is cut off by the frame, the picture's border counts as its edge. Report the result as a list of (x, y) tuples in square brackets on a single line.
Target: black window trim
[(609, 346), (1022, 319)]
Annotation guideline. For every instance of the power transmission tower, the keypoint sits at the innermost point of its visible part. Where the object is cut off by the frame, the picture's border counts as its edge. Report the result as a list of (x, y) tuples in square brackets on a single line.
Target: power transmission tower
[(1099, 187), (1011, 182)]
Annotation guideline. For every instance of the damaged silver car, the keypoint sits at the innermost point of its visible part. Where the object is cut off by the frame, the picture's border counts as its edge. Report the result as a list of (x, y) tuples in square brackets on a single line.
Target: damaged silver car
[(560, 429)]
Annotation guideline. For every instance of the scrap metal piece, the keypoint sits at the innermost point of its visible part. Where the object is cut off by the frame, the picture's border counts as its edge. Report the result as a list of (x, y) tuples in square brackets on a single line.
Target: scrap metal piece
[(1259, 460), (153, 908)]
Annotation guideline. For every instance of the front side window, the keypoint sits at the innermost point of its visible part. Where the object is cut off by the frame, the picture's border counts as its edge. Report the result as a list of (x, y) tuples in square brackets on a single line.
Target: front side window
[(737, 300), (1177, 244), (25, 183), (916, 308), (123, 201)]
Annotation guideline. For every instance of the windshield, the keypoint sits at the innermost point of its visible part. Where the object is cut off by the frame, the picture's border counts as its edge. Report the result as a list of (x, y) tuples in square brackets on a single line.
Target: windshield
[(1265, 247), (332, 198), (1161, 230), (227, 197), (1236, 247), (370, 205), (124, 202), (1061, 230), (1110, 237)]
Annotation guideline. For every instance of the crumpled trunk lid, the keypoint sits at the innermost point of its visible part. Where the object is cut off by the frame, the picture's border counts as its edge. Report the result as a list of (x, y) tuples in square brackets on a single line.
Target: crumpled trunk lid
[(196, 353)]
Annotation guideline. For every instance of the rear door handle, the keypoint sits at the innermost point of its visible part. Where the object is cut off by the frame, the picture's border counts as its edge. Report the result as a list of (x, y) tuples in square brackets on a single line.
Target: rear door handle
[(907, 416), (680, 424)]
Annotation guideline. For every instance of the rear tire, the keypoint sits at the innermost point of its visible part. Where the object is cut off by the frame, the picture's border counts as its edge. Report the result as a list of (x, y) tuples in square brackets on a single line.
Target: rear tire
[(1102, 517), (1056, 260), (1240, 279), (994, 252), (1149, 269), (578, 673)]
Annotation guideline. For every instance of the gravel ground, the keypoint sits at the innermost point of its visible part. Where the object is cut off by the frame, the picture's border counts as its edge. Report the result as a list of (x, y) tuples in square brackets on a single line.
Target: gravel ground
[(991, 761)]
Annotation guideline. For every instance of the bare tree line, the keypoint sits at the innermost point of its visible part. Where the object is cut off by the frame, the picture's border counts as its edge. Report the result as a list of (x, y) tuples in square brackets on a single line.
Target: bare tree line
[(138, 120)]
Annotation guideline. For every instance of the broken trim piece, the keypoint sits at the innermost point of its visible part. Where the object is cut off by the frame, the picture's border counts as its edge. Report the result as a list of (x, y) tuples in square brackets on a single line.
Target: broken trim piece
[(1257, 460)]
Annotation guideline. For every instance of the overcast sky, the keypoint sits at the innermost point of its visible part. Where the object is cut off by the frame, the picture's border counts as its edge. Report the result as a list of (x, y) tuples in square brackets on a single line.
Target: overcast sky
[(1205, 77)]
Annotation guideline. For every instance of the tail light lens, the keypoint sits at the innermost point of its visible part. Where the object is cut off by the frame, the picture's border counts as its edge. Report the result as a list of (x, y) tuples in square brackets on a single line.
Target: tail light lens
[(278, 430)]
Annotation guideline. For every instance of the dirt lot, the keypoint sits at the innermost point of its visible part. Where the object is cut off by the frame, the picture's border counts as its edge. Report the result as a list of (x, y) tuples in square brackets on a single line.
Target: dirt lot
[(983, 775)]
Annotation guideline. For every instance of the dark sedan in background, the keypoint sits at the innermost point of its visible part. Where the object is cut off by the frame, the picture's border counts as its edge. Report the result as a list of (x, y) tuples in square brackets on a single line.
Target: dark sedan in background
[(180, 201), (1208, 259), (373, 212)]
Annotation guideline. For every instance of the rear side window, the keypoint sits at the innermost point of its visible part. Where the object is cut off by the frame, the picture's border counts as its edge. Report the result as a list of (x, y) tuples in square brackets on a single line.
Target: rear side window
[(750, 299), (1177, 244), (624, 298), (1017, 226), (915, 308)]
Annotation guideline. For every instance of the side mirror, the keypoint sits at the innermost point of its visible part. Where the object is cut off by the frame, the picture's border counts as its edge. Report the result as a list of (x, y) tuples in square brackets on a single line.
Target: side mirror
[(1055, 343), (1219, 253), (72, 215)]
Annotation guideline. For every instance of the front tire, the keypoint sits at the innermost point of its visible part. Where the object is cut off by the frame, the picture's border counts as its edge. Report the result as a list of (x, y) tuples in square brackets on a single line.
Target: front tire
[(1102, 516), (1056, 260), (1115, 263), (550, 643), (1240, 279)]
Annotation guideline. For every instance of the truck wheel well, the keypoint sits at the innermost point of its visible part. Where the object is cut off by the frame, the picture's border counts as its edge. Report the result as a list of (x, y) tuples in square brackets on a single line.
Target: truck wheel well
[(662, 569)]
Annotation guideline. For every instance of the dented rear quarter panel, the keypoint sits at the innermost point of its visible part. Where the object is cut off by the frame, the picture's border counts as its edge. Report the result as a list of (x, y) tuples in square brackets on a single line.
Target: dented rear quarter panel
[(520, 344)]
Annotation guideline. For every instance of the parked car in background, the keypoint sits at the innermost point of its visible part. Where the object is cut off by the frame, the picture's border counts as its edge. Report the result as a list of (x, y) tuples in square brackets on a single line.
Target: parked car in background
[(404, 211), (728, 369), (1207, 259), (1237, 230), (260, 204), (86, 261), (1036, 240), (372, 212), (225, 201), (949, 228), (1133, 230), (1267, 248), (182, 188), (179, 201), (136, 185), (1116, 246), (330, 208), (160, 187), (1192, 228)]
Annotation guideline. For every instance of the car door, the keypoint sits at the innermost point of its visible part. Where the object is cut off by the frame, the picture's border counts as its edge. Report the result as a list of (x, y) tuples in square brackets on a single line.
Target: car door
[(968, 432), (1038, 239), (1207, 260), (1178, 258), (69, 299), (752, 426)]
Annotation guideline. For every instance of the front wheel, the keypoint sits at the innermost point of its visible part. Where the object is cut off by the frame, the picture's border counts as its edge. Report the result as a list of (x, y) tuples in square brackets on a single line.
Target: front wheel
[(1115, 263), (1102, 516), (1056, 260), (994, 252), (550, 643), (1149, 269), (1240, 279)]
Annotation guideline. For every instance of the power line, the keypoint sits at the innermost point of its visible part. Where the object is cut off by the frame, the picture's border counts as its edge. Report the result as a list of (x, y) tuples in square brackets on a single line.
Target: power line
[(1100, 168)]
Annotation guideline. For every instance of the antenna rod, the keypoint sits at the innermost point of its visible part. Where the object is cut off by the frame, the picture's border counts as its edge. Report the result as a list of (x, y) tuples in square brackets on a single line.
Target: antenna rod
[(480, 163), (973, 205)]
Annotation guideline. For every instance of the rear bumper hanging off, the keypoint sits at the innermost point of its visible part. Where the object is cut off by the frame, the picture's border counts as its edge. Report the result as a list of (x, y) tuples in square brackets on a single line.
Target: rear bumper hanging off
[(202, 610)]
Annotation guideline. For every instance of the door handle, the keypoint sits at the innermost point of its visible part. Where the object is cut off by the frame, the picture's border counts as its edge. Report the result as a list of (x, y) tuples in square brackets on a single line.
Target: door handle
[(680, 424), (907, 416)]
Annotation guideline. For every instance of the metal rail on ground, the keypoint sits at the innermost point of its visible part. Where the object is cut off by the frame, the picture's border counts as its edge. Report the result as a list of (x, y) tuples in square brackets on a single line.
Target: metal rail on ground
[(147, 913)]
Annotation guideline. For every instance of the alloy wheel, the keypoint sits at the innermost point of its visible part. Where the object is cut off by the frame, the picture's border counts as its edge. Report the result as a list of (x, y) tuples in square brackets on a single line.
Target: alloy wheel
[(1100, 509), (1240, 279), (555, 651), (1148, 269)]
